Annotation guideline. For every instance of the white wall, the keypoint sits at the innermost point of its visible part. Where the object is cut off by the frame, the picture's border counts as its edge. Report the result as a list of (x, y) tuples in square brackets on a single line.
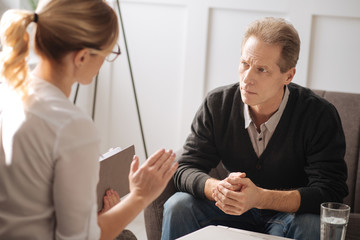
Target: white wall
[(6, 4), (181, 49), (156, 36)]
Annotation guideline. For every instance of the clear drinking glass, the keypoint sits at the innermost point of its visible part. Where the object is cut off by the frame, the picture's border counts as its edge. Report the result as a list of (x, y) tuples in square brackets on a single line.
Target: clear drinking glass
[(334, 218)]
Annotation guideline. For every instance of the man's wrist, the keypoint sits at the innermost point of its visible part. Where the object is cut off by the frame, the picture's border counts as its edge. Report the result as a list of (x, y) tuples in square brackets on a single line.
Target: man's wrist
[(210, 184), (264, 197)]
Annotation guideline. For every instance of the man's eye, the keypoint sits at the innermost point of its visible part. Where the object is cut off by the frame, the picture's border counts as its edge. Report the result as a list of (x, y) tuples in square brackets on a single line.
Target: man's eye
[(262, 70)]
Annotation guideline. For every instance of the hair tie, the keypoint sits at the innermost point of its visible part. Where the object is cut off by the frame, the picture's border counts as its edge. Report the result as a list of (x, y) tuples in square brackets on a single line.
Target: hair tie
[(36, 17)]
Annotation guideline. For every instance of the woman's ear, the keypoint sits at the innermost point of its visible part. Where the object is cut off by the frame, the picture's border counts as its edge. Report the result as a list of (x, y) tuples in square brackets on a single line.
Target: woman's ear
[(290, 75), (81, 57)]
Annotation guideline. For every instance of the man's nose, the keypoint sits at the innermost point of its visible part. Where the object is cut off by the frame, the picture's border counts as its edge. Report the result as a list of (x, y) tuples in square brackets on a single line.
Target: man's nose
[(248, 76)]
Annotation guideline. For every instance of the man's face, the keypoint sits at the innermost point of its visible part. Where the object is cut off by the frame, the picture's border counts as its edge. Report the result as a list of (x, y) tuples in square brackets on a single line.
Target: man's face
[(261, 82)]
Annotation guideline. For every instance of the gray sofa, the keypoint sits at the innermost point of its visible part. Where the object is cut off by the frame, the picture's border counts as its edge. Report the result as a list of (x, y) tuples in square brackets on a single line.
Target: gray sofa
[(348, 106)]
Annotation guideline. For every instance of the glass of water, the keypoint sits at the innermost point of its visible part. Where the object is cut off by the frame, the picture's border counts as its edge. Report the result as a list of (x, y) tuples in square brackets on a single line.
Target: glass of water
[(334, 218)]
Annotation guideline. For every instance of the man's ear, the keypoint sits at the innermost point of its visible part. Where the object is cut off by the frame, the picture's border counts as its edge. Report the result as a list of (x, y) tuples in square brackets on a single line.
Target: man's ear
[(289, 75), (81, 57)]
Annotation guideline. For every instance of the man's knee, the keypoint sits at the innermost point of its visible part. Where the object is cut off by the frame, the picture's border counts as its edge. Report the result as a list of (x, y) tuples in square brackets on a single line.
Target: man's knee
[(306, 226), (179, 217), (307, 220), (178, 204)]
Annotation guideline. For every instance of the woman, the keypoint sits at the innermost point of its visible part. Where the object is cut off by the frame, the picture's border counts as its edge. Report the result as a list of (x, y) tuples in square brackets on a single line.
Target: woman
[(48, 148)]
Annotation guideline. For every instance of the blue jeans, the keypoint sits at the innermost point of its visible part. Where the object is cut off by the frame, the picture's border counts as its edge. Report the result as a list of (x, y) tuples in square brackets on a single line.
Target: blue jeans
[(184, 214)]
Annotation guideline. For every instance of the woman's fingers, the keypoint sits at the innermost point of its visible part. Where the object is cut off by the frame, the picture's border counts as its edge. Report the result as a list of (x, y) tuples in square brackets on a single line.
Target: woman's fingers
[(111, 198), (134, 165), (154, 157), (163, 159), (166, 161), (150, 179), (106, 206), (116, 196), (168, 174)]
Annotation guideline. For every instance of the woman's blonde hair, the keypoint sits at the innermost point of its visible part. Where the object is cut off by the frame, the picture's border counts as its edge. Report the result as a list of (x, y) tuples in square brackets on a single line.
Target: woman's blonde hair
[(277, 31), (62, 26)]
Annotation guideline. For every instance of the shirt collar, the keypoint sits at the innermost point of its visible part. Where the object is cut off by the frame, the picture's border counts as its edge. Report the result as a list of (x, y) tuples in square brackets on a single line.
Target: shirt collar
[(274, 119), (247, 116)]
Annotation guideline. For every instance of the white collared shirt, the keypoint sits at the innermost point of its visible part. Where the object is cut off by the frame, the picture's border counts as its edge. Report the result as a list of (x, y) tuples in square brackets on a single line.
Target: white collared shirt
[(49, 166), (260, 140)]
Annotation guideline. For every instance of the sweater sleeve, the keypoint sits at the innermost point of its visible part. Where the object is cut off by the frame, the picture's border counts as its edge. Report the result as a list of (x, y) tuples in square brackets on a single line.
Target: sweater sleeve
[(325, 165), (200, 154)]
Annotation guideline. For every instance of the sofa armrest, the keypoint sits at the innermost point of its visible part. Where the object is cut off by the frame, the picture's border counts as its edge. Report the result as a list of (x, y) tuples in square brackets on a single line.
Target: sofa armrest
[(353, 230), (153, 214)]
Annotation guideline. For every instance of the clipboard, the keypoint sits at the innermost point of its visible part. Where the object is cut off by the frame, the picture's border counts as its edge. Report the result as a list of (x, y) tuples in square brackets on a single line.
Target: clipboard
[(114, 172)]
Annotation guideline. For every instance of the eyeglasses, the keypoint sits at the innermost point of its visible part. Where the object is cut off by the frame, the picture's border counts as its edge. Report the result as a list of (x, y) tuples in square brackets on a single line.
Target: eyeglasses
[(114, 53), (110, 57)]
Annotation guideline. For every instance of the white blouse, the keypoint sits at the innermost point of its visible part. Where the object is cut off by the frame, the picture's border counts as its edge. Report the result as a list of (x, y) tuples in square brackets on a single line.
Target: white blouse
[(49, 166)]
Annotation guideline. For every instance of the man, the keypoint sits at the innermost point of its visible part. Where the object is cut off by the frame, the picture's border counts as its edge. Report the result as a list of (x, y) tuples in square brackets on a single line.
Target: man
[(282, 145)]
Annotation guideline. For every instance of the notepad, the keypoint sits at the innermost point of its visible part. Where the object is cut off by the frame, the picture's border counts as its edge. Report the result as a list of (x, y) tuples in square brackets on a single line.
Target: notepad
[(114, 172)]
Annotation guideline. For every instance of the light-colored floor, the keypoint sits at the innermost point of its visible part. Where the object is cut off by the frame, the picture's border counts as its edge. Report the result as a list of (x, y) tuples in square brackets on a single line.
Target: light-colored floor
[(138, 227)]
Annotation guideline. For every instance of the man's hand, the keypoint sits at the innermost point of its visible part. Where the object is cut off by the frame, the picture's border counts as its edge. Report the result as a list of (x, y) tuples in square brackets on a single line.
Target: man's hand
[(236, 194), (212, 184)]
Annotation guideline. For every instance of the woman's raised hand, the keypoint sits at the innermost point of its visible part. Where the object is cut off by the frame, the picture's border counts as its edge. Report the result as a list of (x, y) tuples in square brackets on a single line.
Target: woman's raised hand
[(149, 180)]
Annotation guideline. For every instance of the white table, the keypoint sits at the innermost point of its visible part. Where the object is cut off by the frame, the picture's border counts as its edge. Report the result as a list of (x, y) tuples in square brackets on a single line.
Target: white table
[(226, 233)]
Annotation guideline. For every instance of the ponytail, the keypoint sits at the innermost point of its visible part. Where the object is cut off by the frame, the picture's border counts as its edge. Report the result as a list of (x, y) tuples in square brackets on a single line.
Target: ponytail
[(62, 26), (15, 48)]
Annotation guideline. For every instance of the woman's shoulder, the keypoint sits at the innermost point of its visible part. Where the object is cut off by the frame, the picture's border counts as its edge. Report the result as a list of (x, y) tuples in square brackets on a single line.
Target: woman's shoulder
[(47, 102)]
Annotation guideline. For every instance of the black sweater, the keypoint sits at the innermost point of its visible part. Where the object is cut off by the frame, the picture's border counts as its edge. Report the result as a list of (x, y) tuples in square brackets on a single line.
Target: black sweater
[(306, 151)]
